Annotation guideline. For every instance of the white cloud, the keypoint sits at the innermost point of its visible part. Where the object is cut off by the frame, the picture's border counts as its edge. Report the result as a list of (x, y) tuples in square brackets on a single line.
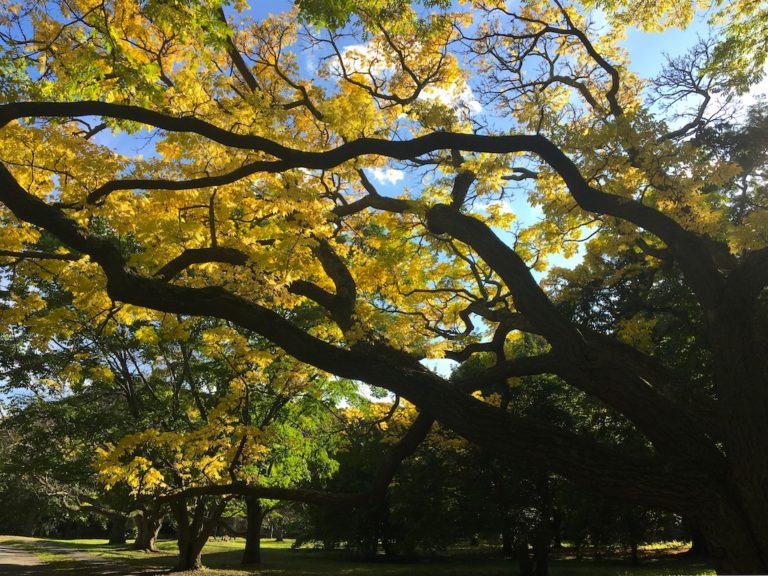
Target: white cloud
[(388, 175), (457, 95), (367, 59), (361, 58)]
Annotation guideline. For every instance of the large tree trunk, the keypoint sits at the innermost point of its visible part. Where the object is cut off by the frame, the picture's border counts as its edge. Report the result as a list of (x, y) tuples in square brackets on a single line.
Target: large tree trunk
[(254, 516), (190, 554), (738, 332), (190, 547), (147, 528), (699, 545), (117, 525), (193, 533), (733, 545)]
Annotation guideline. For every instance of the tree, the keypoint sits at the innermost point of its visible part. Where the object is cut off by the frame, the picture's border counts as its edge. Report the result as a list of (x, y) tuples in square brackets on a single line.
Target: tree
[(256, 207), (51, 432), (234, 415)]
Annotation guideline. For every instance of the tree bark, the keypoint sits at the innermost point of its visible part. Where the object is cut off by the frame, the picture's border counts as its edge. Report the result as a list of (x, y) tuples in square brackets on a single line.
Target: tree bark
[(117, 525), (507, 540), (190, 547), (524, 560), (254, 516), (733, 544), (541, 555), (699, 545), (147, 528), (193, 533)]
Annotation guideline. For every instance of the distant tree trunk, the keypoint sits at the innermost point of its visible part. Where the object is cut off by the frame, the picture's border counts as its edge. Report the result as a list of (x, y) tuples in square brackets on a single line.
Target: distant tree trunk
[(557, 529), (633, 546), (117, 525), (507, 540), (699, 546), (147, 528), (369, 539), (541, 553), (386, 541), (193, 533), (544, 530), (30, 522), (254, 515), (523, 557), (634, 532)]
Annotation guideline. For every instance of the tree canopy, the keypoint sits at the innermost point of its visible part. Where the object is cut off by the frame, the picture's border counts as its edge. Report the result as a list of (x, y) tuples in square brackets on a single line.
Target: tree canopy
[(167, 162)]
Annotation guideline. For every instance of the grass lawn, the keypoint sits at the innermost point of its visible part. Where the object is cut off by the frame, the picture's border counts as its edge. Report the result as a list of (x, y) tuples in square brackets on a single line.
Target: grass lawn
[(222, 558)]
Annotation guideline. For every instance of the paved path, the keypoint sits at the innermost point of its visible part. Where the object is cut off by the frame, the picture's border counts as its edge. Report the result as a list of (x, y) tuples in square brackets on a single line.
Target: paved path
[(17, 562)]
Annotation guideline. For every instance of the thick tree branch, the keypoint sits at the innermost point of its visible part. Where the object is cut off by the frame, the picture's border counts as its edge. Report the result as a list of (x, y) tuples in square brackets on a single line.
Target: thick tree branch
[(515, 367), (236, 57), (529, 298), (35, 255), (313, 292), (343, 303), (106, 189), (407, 445), (192, 256), (376, 364), (378, 202), (690, 250), (591, 364)]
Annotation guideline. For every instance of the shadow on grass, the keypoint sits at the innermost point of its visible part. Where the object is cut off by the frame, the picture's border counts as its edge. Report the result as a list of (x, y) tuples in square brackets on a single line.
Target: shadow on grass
[(276, 562), (223, 559)]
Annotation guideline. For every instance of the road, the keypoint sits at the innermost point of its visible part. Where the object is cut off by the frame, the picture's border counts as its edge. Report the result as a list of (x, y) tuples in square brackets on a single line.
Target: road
[(17, 562)]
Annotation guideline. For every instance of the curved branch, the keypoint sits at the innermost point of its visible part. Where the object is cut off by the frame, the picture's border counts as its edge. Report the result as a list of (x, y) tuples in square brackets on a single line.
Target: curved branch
[(17, 110), (529, 298), (591, 363), (516, 367), (192, 256), (313, 292), (383, 366), (690, 250), (35, 255), (343, 303), (163, 184)]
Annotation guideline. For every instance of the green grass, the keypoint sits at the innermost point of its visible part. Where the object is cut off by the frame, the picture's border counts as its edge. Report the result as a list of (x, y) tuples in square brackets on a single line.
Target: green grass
[(222, 558)]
